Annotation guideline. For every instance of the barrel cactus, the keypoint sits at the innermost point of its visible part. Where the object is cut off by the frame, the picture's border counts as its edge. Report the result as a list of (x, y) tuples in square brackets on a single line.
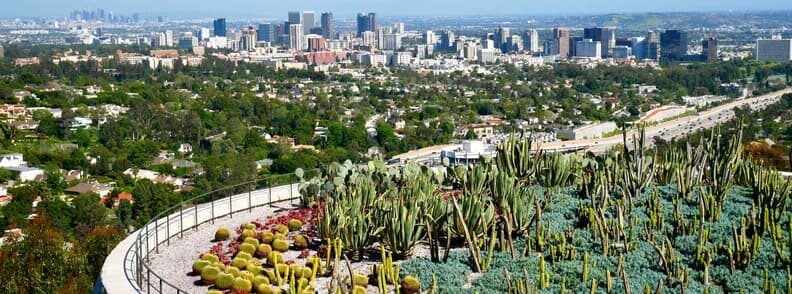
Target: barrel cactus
[(199, 265), (280, 245), (301, 241), (360, 280), (274, 258), (211, 258), (247, 248), (224, 281), (242, 285), (248, 233), (295, 224), (222, 234), (263, 250), (281, 228), (209, 274), (267, 237), (410, 285), (252, 241)]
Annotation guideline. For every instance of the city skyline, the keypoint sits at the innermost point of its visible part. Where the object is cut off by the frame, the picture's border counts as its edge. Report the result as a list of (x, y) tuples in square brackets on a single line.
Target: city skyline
[(348, 8)]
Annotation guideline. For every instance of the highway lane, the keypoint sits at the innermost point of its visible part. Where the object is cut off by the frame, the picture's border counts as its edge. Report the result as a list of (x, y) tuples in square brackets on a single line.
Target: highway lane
[(674, 128)]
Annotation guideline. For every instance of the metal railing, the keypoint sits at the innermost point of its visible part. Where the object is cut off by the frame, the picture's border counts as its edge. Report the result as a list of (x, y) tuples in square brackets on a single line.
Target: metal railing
[(191, 213)]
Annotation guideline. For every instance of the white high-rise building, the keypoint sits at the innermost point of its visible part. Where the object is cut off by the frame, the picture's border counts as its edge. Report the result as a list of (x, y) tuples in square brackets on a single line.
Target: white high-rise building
[(531, 41), (398, 28), (392, 42), (589, 49), (429, 38), (168, 38), (369, 38), (296, 36), (776, 50), (486, 55), (204, 34)]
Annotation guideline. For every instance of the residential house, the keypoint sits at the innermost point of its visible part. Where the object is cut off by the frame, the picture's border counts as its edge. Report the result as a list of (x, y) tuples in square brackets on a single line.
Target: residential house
[(93, 187)]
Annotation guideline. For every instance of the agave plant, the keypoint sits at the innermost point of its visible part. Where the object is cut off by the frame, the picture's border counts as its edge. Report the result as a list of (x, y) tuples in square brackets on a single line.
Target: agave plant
[(356, 228), (555, 170), (402, 229), (515, 159)]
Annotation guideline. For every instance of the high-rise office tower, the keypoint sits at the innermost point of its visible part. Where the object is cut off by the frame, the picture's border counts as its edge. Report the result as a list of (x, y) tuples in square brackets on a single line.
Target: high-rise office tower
[(247, 41), (220, 27), (673, 44), (369, 38), (204, 34), (315, 43), (710, 49), (652, 46), (588, 48), (515, 43), (266, 32), (328, 31), (502, 39), (562, 36), (295, 17), (308, 21), (429, 38), (447, 40), (296, 33), (362, 24), (168, 38), (602, 35), (531, 41), (367, 22), (398, 27)]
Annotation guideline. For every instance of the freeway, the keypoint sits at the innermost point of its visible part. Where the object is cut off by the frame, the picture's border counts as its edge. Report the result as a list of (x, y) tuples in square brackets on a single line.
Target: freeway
[(674, 128)]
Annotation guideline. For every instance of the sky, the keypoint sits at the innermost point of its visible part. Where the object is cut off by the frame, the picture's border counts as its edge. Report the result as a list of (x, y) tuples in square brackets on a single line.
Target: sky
[(347, 8)]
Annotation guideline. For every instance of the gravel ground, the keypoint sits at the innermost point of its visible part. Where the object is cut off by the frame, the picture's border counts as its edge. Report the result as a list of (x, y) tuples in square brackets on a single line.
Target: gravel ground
[(174, 262)]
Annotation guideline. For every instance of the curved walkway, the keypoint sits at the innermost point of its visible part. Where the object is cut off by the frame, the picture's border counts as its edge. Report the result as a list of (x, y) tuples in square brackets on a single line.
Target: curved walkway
[(122, 269)]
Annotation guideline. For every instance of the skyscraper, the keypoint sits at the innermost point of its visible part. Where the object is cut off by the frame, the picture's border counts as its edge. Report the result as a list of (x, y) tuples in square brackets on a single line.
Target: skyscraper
[(588, 48), (429, 38), (248, 40), (296, 33), (447, 40), (328, 31), (673, 44), (220, 27), (295, 17), (266, 32), (603, 35), (308, 21), (562, 36), (367, 22), (362, 24), (652, 46), (710, 49), (502, 39), (531, 41)]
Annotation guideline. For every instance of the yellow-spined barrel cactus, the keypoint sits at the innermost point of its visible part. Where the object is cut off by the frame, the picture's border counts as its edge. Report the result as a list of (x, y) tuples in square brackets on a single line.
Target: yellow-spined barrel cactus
[(410, 285), (274, 258), (209, 274), (224, 281), (243, 255), (251, 240), (199, 265), (283, 269), (248, 226), (213, 291), (248, 233), (301, 241), (211, 258), (230, 269), (222, 234), (239, 263), (295, 224), (260, 280), (265, 289), (263, 250), (247, 248), (280, 245), (267, 237), (242, 285), (283, 229)]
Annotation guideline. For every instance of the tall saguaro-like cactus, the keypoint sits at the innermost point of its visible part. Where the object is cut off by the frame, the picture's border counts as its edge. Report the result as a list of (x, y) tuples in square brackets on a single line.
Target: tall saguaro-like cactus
[(638, 168)]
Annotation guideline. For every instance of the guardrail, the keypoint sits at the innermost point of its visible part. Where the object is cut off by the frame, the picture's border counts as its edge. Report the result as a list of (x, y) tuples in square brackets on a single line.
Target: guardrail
[(189, 215)]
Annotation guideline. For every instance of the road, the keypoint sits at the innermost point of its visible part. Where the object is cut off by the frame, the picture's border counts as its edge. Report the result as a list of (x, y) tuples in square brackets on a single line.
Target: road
[(674, 128)]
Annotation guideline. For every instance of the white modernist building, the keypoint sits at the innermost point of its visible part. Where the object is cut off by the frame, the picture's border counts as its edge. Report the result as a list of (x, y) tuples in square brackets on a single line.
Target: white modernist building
[(589, 131)]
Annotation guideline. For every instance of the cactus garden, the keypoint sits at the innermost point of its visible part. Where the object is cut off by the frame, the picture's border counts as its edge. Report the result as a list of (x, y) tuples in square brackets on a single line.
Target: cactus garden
[(700, 218)]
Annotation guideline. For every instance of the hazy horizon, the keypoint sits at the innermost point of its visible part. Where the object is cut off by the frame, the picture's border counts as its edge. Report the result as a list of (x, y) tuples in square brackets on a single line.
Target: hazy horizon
[(347, 8)]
